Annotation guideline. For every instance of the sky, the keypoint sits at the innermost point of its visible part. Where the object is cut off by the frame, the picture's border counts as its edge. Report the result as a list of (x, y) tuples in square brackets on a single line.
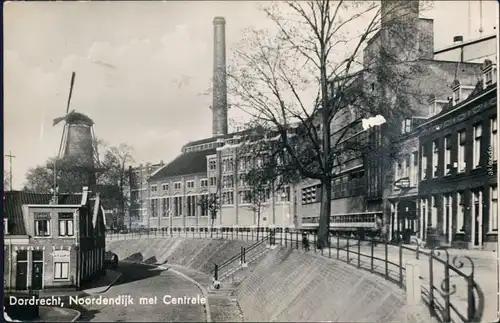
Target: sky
[(142, 69)]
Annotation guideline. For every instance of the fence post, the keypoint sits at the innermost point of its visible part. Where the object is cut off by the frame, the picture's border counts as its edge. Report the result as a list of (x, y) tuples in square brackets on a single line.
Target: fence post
[(241, 255), (329, 245), (372, 245), (386, 259), (431, 284), (446, 314), (284, 236), (338, 245), (244, 255), (216, 272), (471, 303), (401, 265), (347, 248), (359, 251)]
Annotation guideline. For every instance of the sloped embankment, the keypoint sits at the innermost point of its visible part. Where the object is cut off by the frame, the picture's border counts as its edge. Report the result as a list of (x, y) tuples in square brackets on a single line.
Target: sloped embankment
[(197, 254), (292, 286)]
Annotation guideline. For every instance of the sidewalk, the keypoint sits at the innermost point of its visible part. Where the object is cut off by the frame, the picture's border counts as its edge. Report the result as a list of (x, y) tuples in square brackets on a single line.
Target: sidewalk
[(484, 264), (95, 287)]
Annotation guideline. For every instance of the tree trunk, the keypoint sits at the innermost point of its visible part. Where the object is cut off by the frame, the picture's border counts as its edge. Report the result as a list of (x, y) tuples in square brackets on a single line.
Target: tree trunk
[(325, 212)]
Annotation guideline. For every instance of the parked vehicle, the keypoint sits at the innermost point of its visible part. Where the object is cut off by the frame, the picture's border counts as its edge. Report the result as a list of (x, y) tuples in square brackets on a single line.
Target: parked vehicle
[(110, 260)]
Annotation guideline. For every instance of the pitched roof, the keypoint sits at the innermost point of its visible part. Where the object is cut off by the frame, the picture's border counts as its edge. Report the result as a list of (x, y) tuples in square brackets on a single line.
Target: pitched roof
[(14, 200), (185, 164)]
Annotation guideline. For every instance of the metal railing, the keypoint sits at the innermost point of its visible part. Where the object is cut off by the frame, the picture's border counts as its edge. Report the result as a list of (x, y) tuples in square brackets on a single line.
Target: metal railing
[(450, 279), (240, 259)]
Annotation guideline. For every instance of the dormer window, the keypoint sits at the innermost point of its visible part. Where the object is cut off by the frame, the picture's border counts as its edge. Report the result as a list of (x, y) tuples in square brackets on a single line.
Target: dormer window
[(456, 92), (488, 70)]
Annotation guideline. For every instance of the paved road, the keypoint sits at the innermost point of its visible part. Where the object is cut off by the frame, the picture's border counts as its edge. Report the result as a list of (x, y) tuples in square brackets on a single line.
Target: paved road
[(138, 281)]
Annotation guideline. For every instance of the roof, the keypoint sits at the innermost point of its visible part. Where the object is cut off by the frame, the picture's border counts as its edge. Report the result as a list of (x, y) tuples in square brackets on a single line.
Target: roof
[(185, 164), (14, 200)]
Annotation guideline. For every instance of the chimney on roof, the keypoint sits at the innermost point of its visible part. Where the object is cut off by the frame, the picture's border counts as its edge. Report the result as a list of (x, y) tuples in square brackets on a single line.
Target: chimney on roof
[(219, 96)]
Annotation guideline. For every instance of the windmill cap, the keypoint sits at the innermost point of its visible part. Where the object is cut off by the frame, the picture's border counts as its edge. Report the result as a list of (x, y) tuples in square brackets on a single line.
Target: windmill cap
[(79, 118)]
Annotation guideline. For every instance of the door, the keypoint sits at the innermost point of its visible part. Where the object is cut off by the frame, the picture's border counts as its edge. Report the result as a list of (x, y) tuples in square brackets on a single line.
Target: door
[(37, 276), (21, 275)]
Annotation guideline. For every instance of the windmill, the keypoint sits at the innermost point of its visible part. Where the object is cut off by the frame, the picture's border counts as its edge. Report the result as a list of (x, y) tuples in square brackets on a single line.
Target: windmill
[(78, 146)]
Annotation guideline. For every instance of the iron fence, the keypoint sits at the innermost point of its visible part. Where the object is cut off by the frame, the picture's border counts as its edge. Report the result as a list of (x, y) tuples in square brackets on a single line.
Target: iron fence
[(447, 281)]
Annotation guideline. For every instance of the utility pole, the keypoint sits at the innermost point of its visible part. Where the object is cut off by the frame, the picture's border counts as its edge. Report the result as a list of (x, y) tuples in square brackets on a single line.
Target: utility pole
[(10, 156)]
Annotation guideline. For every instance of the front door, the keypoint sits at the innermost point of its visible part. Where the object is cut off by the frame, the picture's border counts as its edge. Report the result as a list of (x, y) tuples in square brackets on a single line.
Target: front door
[(37, 276), (21, 275)]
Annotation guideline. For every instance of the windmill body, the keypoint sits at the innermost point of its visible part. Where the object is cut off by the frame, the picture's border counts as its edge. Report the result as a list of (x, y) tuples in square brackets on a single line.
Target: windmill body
[(78, 150)]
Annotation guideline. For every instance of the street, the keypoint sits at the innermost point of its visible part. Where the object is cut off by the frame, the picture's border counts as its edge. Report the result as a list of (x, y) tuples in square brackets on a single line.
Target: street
[(143, 281)]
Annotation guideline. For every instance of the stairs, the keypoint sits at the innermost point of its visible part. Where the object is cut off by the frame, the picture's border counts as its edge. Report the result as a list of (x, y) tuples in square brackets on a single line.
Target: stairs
[(256, 256)]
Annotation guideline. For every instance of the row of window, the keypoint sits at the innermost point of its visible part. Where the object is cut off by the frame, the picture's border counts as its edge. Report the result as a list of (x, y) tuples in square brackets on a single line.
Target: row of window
[(462, 157), (42, 225), (454, 206), (193, 202), (352, 184), (177, 185)]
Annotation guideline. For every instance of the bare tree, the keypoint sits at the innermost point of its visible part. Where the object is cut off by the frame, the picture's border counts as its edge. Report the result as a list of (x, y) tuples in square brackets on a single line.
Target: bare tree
[(116, 161), (328, 66)]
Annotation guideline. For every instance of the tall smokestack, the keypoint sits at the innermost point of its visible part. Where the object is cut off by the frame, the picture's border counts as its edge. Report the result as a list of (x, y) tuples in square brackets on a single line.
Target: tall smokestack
[(219, 103)]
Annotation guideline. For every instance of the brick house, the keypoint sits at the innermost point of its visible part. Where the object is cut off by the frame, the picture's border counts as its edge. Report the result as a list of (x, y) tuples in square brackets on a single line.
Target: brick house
[(459, 151), (52, 243)]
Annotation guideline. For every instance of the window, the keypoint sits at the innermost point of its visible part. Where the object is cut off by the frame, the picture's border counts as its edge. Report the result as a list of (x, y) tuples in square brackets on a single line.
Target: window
[(42, 228), (399, 170), (191, 205), (406, 126), (6, 226), (228, 198), (66, 228), (434, 213), (494, 139), (227, 181), (460, 212), (423, 210), (177, 206), (212, 164), (245, 197), (154, 211), (213, 181), (461, 151), (177, 185), (154, 188), (447, 204), (61, 270), (309, 193), (203, 182), (164, 187), (423, 166), (414, 168), (477, 145), (190, 184), (447, 155), (488, 77), (435, 158), (285, 194), (494, 208), (165, 208), (204, 204), (241, 180)]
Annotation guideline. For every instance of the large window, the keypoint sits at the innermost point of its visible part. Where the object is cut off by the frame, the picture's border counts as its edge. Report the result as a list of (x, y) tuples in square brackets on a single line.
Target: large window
[(191, 205), (494, 208), (447, 155), (228, 198), (61, 270), (460, 220), (66, 228), (478, 132), (177, 206), (165, 208), (461, 151), (154, 209), (42, 228), (423, 165), (190, 184), (204, 204), (212, 164), (494, 139), (435, 158), (203, 183)]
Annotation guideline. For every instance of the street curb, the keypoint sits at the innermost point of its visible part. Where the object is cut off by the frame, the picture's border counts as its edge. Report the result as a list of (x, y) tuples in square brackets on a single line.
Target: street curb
[(200, 287), (77, 316), (109, 286)]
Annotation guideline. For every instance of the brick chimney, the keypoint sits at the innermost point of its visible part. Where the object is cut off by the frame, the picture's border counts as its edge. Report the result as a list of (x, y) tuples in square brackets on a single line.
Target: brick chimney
[(219, 103)]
